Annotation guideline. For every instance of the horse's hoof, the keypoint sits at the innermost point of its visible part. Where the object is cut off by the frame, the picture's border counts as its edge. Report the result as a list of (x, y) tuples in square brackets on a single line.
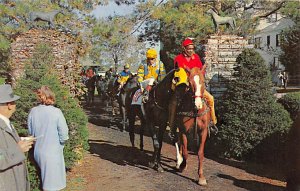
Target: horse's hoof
[(160, 168), (141, 149), (202, 182), (183, 166), (152, 165)]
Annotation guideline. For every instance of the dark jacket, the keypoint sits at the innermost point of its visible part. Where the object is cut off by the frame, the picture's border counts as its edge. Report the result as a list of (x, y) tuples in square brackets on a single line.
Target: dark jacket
[(13, 170)]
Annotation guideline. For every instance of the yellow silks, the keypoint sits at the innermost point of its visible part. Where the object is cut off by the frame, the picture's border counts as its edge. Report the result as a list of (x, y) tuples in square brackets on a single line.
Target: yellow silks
[(182, 77)]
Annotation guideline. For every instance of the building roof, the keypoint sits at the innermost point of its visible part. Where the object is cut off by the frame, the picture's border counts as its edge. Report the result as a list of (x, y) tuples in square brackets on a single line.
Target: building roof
[(279, 25)]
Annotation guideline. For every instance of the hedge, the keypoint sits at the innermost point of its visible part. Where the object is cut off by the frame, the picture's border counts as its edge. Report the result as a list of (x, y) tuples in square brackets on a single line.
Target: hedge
[(40, 71)]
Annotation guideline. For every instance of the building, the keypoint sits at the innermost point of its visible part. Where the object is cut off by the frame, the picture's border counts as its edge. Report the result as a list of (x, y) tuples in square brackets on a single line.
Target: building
[(267, 41)]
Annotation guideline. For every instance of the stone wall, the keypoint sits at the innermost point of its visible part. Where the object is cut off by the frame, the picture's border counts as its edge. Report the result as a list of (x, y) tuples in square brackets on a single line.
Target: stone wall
[(64, 48), (220, 57)]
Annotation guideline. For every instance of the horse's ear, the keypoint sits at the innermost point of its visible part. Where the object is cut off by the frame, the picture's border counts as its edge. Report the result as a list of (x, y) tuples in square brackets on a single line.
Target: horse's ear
[(187, 69), (176, 66), (203, 68)]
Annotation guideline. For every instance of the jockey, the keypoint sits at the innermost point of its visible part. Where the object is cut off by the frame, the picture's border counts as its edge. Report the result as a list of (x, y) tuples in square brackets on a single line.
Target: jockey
[(150, 71), (124, 76), (187, 60)]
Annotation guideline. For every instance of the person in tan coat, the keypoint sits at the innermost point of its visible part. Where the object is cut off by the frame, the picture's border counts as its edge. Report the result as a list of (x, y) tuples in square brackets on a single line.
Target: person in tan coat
[(13, 170)]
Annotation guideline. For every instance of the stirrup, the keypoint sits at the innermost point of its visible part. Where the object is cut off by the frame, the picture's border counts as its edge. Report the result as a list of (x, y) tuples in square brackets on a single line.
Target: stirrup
[(145, 96), (213, 128)]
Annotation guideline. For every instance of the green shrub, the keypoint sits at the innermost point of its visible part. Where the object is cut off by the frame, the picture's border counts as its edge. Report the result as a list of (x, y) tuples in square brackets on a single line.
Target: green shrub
[(291, 102), (40, 71), (249, 111)]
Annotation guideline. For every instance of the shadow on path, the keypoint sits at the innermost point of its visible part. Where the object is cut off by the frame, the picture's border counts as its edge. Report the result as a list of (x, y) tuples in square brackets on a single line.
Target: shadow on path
[(252, 184)]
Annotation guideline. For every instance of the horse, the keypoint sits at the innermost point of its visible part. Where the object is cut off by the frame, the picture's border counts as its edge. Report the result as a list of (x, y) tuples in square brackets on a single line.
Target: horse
[(112, 91), (101, 86), (47, 17), (156, 114), (193, 111), (218, 20), (134, 107), (131, 83), (90, 85)]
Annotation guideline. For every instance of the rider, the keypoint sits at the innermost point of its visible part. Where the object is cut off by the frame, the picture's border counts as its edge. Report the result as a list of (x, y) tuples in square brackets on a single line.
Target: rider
[(187, 60), (109, 73), (148, 72), (124, 76)]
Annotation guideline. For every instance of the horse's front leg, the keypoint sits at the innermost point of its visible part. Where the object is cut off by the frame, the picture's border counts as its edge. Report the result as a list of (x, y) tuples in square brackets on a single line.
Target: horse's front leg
[(179, 157), (154, 135), (184, 149), (143, 123), (131, 118), (162, 129), (203, 135)]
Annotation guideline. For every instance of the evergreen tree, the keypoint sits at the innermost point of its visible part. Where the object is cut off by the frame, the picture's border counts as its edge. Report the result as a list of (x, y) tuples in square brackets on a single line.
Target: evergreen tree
[(40, 71), (249, 111), (290, 46)]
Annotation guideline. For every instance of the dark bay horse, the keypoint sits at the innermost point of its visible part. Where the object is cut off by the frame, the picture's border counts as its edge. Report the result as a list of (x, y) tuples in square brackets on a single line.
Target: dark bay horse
[(112, 91), (132, 111), (156, 110), (114, 94), (194, 112), (125, 92)]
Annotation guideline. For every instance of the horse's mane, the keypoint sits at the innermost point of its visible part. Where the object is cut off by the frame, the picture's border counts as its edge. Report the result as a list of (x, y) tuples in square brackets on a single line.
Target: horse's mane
[(169, 76)]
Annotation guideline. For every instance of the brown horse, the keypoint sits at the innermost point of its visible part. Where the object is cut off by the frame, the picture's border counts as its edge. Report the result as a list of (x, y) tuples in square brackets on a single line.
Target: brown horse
[(193, 112)]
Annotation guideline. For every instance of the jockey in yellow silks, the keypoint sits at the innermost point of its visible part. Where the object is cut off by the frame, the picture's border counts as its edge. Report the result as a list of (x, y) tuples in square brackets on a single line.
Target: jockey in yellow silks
[(188, 59), (150, 71), (124, 76)]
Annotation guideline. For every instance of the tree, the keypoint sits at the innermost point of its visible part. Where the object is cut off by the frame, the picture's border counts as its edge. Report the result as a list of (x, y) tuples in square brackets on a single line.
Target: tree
[(290, 46), (290, 42), (113, 42), (249, 111)]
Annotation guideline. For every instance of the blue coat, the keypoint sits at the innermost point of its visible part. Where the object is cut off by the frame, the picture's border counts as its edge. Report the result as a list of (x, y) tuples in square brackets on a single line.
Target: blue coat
[(48, 123)]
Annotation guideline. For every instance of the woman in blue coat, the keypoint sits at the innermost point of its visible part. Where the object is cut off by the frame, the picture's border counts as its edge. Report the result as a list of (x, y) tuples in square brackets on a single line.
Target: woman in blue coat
[(48, 124)]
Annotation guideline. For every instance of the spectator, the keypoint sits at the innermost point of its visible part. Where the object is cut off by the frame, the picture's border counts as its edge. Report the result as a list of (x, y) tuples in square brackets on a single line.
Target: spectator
[(285, 79), (48, 123), (280, 79), (13, 170), (108, 73)]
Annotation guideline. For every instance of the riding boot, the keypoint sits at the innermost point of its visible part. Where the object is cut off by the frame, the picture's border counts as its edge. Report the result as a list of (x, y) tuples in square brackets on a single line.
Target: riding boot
[(146, 93)]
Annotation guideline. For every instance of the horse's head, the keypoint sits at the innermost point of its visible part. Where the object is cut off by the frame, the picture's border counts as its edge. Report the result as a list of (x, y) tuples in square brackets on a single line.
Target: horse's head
[(132, 82), (211, 11), (196, 79)]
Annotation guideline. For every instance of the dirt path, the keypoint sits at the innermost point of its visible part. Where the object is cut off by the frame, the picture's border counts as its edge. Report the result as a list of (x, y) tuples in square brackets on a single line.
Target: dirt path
[(112, 164)]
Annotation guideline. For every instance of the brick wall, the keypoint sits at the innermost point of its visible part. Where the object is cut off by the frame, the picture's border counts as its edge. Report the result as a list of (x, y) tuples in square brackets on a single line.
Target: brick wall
[(64, 48)]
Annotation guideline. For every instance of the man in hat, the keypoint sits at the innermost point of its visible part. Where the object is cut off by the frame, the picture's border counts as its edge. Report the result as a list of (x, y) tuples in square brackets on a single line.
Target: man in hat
[(187, 60), (124, 76), (150, 71), (13, 170)]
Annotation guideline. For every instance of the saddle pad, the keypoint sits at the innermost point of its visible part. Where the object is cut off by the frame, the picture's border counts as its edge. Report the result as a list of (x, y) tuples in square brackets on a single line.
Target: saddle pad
[(137, 97)]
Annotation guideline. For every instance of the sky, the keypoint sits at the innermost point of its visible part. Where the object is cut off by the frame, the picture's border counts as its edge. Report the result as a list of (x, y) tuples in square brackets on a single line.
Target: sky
[(112, 9)]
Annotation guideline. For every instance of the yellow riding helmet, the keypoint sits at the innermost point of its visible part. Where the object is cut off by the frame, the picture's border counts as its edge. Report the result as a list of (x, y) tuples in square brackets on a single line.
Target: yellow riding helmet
[(151, 53), (126, 66)]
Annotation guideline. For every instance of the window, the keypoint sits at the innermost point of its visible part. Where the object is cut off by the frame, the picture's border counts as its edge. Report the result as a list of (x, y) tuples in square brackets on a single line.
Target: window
[(278, 36), (268, 41), (257, 42)]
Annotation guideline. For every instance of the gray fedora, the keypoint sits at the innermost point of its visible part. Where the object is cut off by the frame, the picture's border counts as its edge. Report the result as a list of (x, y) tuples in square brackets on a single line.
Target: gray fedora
[(6, 94)]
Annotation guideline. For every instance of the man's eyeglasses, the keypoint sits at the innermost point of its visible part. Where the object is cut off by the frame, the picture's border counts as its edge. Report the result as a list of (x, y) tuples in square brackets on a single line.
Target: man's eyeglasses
[(151, 58)]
